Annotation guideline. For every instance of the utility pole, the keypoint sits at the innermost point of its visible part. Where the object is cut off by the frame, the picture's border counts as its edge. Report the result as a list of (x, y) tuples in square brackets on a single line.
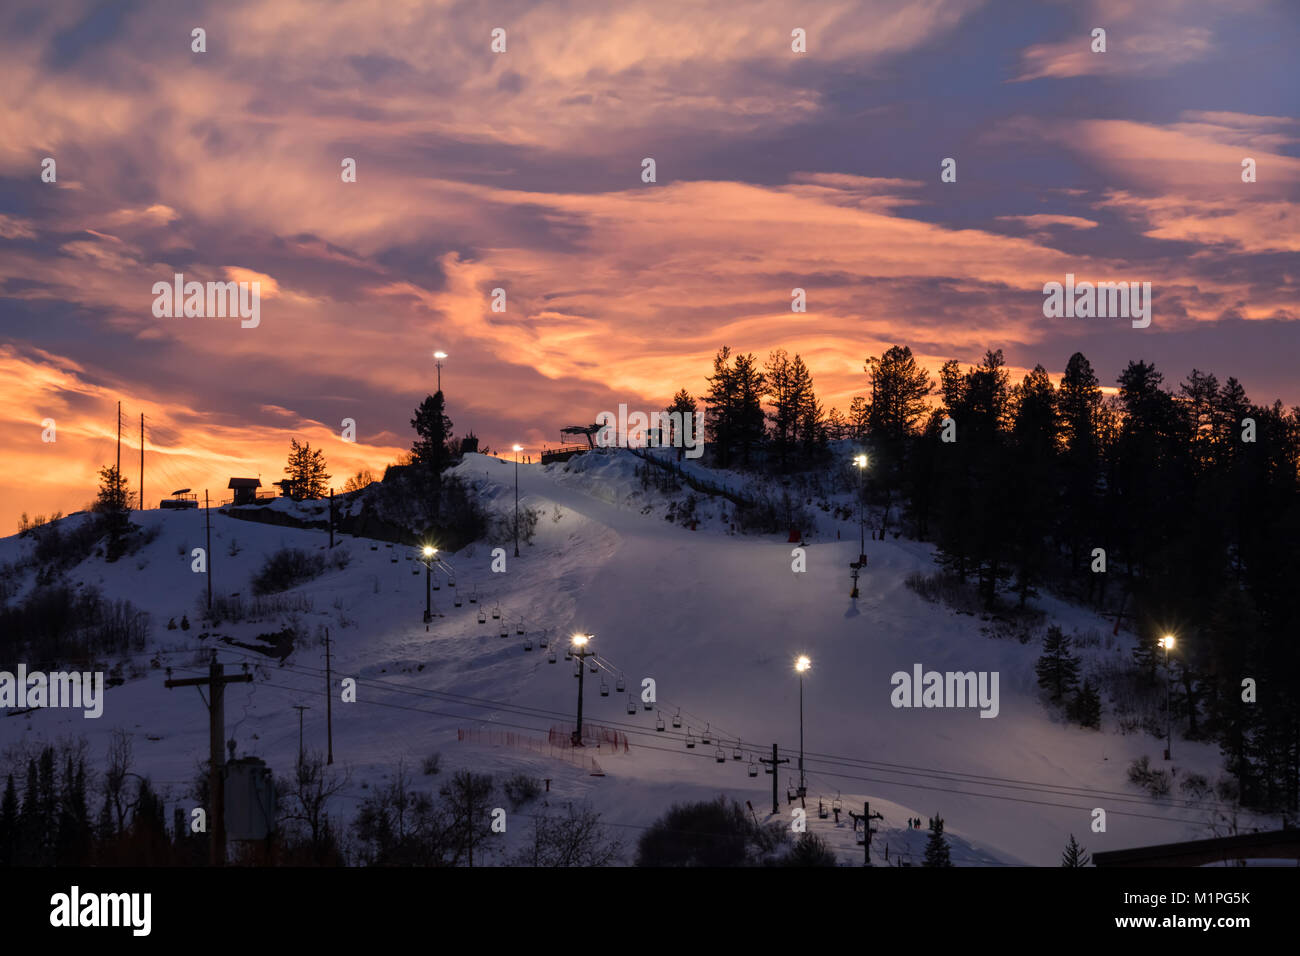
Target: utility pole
[(331, 518), (517, 451), (776, 805), (121, 497), (142, 461), (866, 816), (329, 699), (300, 708), (216, 682), (207, 524)]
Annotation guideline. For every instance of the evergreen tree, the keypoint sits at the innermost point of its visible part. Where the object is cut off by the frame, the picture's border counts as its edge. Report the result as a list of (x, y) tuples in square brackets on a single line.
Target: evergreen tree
[(735, 400), (112, 504), (305, 471), (936, 846), (899, 387), (1033, 477), (1079, 401), (684, 407), (1086, 708), (721, 401), (433, 428), (1057, 668), (1074, 854)]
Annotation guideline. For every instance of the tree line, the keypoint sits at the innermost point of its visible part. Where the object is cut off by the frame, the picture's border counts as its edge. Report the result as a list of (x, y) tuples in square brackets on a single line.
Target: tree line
[(1172, 507)]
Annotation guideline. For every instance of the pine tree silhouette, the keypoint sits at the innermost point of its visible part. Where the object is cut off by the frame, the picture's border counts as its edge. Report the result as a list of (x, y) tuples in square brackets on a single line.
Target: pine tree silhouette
[(936, 847), (1074, 854)]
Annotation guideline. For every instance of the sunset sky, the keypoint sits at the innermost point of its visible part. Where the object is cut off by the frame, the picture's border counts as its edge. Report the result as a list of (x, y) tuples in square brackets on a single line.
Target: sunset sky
[(522, 170)]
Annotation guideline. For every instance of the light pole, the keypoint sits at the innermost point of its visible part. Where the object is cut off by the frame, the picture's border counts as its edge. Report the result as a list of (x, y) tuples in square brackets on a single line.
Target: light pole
[(438, 357), (1167, 642), (580, 642), (801, 665), (518, 449), (861, 462), (428, 552)]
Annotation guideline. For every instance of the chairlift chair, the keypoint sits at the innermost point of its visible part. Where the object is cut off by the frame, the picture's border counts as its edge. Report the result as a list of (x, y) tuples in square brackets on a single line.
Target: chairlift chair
[(593, 666), (620, 684), (414, 569), (822, 812), (677, 719), (648, 705), (482, 617), (690, 739), (753, 769), (505, 631), (519, 628), (528, 643), (604, 688), (736, 754), (473, 595), (659, 724), (720, 756), (837, 804), (705, 737), (631, 704), (550, 657), (496, 612)]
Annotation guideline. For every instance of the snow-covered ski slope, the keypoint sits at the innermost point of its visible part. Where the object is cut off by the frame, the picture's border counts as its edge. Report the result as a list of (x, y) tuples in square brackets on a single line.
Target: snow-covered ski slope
[(714, 619)]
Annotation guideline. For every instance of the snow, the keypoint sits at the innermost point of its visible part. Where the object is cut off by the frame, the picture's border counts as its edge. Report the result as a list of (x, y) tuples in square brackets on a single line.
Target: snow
[(713, 618)]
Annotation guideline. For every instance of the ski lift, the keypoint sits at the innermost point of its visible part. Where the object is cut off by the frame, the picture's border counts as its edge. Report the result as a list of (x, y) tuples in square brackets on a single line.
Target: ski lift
[(720, 756), (736, 754), (631, 704), (505, 631), (550, 657), (496, 612), (705, 736), (528, 643), (753, 769), (519, 628), (690, 739), (604, 688), (659, 725), (620, 684), (482, 617), (677, 718)]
